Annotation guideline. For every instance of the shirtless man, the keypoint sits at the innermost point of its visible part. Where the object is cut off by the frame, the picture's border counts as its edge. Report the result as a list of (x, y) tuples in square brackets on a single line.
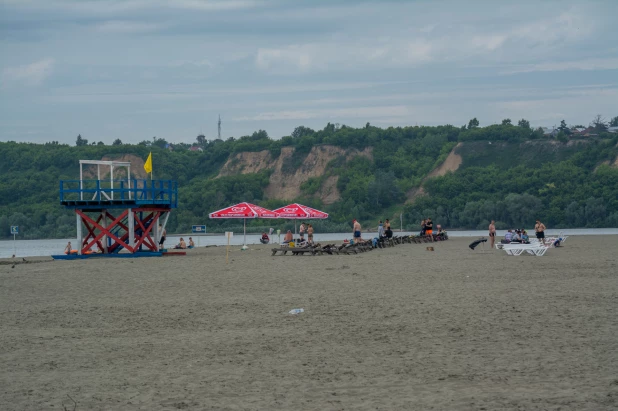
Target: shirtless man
[(357, 231), (301, 231), (492, 233), (539, 228), (288, 237)]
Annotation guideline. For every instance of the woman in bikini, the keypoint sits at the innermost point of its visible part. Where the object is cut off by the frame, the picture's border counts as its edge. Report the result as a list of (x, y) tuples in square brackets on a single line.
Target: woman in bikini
[(492, 233)]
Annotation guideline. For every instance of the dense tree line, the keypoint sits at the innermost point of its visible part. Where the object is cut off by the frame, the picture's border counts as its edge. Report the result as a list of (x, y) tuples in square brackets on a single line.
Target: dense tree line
[(511, 173)]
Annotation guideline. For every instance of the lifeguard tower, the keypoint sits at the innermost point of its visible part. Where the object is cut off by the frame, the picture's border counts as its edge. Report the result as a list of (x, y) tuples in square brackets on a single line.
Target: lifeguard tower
[(118, 213)]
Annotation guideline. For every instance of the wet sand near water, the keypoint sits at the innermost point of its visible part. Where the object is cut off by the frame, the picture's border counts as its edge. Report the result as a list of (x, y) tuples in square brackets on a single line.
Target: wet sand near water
[(399, 328)]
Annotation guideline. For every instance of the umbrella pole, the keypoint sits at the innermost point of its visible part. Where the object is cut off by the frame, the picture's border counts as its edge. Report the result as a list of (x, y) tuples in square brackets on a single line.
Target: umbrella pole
[(245, 229), (294, 226)]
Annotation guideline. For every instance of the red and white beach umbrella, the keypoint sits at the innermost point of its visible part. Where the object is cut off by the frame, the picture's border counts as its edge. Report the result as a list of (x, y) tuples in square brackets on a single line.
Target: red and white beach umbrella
[(297, 211), (313, 213), (244, 211)]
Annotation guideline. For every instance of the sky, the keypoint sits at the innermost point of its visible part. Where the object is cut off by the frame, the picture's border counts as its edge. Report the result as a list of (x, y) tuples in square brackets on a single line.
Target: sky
[(135, 69)]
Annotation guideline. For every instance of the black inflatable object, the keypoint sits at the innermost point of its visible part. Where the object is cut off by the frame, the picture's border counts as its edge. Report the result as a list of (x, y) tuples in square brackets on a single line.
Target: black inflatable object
[(477, 242)]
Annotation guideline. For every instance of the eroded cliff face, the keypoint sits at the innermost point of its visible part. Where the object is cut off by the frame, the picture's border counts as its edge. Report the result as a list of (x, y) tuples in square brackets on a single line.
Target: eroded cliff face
[(137, 168), (452, 163), (285, 183)]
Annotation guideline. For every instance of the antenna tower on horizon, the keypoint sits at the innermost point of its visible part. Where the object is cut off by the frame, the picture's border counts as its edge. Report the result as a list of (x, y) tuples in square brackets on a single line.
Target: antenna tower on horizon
[(219, 128)]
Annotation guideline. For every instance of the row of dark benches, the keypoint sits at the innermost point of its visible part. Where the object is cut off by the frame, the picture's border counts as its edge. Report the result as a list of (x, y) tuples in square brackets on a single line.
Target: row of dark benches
[(360, 247)]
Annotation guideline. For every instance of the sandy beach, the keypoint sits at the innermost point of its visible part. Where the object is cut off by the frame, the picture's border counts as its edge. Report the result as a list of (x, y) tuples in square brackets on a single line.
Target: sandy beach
[(392, 329)]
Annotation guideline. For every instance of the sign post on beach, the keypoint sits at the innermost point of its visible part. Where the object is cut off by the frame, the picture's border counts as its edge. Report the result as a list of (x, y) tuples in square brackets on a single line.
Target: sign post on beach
[(229, 236), (14, 231), (198, 229)]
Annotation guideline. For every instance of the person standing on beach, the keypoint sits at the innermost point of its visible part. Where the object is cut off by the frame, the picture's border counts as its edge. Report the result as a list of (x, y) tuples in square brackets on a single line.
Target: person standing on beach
[(301, 231), (68, 248), (539, 228), (310, 234), (492, 233), (163, 233), (380, 230), (357, 231), (429, 228), (387, 225)]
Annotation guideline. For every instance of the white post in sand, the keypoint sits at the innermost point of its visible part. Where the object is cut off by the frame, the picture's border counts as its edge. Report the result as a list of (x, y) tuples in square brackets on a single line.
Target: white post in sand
[(79, 234), (131, 224)]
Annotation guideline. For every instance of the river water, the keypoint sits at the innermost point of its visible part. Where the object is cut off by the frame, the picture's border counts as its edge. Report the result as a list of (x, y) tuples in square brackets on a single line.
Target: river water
[(30, 248)]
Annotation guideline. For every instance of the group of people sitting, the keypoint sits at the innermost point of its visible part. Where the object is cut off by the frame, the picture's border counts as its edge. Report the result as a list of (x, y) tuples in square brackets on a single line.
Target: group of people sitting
[(289, 238), (516, 236), (384, 229), (183, 244)]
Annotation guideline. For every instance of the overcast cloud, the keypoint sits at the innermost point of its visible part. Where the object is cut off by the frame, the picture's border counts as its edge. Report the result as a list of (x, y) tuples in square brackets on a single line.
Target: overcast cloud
[(134, 69)]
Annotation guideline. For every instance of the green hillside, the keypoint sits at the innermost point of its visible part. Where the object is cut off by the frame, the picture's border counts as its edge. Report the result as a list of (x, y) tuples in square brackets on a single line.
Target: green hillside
[(512, 174)]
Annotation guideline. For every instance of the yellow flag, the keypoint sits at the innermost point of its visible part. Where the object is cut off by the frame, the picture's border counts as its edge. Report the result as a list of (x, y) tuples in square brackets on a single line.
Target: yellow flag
[(148, 164)]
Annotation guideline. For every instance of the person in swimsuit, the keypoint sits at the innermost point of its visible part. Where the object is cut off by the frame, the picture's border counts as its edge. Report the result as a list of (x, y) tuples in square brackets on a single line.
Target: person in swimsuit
[(539, 228), (423, 228), (288, 237), (492, 233), (357, 231), (182, 244), (310, 234), (301, 231)]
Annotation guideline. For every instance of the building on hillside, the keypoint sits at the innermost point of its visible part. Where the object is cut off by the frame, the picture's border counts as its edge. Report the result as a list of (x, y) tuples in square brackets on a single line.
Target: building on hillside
[(612, 130), (547, 131), (586, 132), (195, 148)]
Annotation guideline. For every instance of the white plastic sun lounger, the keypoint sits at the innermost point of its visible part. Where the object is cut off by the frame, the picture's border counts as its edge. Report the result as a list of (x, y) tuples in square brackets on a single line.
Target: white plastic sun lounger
[(517, 249)]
